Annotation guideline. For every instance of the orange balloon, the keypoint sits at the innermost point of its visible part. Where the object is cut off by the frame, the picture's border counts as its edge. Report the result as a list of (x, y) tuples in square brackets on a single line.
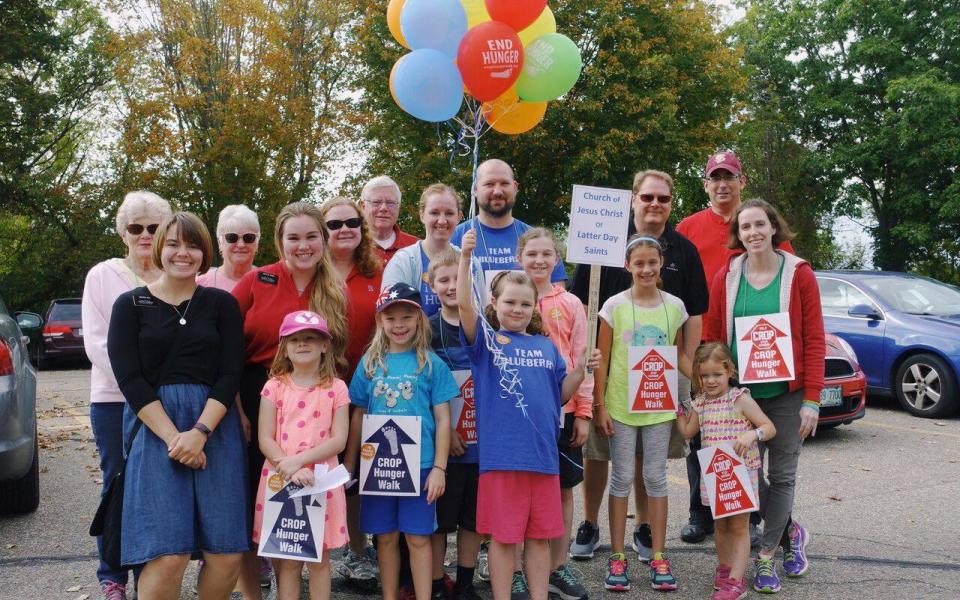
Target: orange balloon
[(510, 115), (393, 21)]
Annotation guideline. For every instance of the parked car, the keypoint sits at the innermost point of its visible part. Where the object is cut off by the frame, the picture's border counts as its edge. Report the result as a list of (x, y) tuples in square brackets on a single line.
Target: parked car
[(62, 335), (904, 328), (844, 396), (19, 452)]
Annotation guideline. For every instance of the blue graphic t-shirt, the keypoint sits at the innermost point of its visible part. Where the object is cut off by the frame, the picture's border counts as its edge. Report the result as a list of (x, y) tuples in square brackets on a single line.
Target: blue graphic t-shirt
[(403, 392), (497, 248), (429, 301), (446, 343), (518, 408)]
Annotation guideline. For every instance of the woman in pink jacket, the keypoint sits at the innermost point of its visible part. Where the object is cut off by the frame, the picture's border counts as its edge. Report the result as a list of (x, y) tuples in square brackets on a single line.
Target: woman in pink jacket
[(766, 281)]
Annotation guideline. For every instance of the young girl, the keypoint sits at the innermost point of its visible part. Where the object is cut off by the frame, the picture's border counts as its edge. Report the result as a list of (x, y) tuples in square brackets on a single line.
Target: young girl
[(304, 421), (565, 323), (641, 315), (400, 376), (520, 383), (727, 414)]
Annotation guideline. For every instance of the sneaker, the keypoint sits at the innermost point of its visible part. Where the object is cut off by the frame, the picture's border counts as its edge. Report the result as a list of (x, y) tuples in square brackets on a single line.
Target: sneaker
[(357, 567), (732, 589), (643, 542), (586, 542), (795, 557), (483, 563), (695, 532), (723, 573), (266, 573), (564, 583), (407, 592), (519, 590), (766, 580), (467, 592), (661, 578), (617, 580), (445, 590), (112, 590)]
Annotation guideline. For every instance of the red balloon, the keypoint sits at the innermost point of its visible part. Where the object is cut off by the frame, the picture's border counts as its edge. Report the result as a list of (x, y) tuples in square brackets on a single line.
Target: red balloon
[(489, 59), (515, 13)]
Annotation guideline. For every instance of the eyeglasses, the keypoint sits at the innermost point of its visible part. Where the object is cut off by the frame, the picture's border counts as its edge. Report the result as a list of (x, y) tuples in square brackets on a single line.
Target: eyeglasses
[(232, 238), (384, 203), (137, 228), (725, 178), (648, 198), (335, 224)]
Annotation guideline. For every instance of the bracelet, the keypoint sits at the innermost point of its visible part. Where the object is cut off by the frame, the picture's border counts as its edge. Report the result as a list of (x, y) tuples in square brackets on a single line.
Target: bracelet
[(202, 428), (441, 468), (812, 405)]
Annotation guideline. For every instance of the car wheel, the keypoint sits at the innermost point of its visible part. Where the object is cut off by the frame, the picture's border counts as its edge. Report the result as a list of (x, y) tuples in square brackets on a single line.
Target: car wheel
[(926, 386), (22, 495)]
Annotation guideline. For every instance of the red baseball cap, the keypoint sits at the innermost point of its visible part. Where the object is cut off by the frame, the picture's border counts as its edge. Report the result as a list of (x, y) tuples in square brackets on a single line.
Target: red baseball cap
[(304, 319), (725, 160)]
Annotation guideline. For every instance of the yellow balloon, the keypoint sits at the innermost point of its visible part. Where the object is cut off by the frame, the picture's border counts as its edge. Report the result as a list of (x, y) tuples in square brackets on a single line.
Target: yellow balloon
[(476, 12), (545, 23), (393, 21), (510, 115)]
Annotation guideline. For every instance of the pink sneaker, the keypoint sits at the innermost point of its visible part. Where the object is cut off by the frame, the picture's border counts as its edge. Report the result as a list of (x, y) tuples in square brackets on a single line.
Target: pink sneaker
[(732, 589), (723, 573), (113, 591)]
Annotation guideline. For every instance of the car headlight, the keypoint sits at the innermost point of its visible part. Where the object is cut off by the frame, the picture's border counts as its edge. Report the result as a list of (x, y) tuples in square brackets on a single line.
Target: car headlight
[(849, 350)]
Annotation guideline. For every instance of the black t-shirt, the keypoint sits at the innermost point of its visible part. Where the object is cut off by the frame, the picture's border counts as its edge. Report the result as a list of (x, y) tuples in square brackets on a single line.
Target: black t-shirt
[(682, 275), (142, 332)]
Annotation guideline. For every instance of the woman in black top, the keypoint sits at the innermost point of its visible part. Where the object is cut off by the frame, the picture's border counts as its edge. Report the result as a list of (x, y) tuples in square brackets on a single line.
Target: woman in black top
[(177, 352)]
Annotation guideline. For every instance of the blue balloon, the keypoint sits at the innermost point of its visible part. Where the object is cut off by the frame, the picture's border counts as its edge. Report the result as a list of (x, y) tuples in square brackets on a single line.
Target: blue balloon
[(437, 24), (427, 84)]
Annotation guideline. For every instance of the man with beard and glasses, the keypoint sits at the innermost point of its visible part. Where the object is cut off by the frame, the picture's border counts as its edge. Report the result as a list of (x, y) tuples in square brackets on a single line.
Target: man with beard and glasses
[(497, 230)]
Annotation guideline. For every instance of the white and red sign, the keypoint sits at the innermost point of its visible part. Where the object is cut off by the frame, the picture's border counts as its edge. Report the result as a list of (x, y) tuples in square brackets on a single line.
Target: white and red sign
[(463, 413), (652, 379), (727, 481), (765, 348)]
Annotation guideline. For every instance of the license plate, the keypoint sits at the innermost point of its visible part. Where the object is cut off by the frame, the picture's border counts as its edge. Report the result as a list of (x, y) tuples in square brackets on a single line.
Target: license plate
[(831, 396), (80, 332)]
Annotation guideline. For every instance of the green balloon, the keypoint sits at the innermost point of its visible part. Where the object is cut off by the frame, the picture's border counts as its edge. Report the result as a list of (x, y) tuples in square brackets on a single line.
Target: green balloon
[(551, 65)]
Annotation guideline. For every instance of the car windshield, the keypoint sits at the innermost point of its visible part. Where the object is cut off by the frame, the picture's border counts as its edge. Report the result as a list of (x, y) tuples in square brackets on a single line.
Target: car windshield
[(66, 311), (916, 296)]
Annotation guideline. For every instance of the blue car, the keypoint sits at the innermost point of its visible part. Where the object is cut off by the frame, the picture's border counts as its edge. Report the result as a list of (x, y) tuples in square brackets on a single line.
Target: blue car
[(905, 330)]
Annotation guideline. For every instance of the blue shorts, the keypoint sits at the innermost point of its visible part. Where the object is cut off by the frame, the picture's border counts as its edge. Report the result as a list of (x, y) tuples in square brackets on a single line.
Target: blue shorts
[(408, 514)]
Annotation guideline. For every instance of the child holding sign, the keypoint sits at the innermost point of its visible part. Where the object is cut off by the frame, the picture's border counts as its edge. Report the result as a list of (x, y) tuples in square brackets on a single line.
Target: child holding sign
[(727, 415), (400, 377), (642, 315), (565, 322), (520, 383), (457, 507), (304, 421)]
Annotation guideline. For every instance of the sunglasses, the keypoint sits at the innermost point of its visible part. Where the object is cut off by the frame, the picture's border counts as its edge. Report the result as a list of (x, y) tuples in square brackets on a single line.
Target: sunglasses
[(232, 238), (650, 198), (335, 224), (137, 228)]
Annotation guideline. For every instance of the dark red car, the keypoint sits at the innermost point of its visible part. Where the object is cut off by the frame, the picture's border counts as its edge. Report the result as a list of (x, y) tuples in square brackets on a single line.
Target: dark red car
[(844, 396), (62, 334)]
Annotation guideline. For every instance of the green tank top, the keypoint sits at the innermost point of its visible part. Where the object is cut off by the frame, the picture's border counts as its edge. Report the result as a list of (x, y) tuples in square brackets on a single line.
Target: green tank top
[(751, 302)]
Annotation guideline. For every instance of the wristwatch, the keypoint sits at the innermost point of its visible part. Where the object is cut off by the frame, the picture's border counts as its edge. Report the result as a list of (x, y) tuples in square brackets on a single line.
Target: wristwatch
[(202, 428), (759, 434)]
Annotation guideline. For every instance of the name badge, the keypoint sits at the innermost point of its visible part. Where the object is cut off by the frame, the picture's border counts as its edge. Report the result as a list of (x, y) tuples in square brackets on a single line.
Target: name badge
[(268, 278)]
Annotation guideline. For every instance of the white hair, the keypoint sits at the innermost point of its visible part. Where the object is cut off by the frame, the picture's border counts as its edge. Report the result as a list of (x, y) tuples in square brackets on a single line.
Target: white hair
[(141, 203), (237, 213), (379, 181)]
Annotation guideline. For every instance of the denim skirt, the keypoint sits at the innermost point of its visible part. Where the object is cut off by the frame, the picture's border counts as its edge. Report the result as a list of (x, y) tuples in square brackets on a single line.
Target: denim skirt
[(169, 508)]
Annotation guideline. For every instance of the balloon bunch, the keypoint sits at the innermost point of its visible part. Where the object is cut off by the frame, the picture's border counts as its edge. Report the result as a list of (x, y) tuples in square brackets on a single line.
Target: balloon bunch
[(506, 54)]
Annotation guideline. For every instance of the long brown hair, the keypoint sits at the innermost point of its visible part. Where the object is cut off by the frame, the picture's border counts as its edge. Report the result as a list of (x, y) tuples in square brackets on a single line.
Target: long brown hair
[(535, 326), (326, 370), (781, 235), (364, 257), (327, 298)]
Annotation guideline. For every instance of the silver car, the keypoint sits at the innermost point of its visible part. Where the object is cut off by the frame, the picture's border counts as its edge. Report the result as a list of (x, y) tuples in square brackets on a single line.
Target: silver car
[(19, 456)]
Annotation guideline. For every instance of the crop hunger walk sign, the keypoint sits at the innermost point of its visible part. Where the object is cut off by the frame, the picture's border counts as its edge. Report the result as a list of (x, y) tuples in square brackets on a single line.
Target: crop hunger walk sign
[(652, 379), (463, 412), (390, 456), (727, 481), (764, 348)]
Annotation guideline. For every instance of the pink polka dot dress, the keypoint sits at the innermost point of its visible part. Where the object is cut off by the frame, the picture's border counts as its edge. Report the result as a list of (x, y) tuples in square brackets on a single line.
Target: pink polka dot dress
[(305, 419)]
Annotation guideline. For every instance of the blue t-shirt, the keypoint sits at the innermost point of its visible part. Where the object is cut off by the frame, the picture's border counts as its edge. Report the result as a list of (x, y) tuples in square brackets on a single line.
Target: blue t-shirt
[(514, 437), (429, 302), (404, 392), (446, 343), (497, 248)]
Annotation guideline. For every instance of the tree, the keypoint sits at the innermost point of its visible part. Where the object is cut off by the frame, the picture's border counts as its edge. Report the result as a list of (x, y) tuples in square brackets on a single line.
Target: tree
[(655, 92), (872, 89)]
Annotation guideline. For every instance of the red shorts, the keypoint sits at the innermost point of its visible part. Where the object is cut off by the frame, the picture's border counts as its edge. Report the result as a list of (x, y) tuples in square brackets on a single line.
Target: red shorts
[(513, 506)]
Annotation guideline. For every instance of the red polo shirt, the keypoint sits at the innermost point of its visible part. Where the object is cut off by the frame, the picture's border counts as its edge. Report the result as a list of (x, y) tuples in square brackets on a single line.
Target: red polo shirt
[(401, 240), (362, 295), (266, 295)]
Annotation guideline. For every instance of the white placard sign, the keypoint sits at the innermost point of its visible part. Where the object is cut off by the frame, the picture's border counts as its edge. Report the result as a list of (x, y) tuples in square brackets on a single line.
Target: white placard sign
[(598, 226), (463, 413), (390, 456), (765, 348), (727, 481), (653, 384), (294, 516)]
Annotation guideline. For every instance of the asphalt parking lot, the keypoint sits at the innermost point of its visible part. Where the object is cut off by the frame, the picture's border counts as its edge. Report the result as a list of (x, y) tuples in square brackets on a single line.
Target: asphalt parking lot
[(878, 496)]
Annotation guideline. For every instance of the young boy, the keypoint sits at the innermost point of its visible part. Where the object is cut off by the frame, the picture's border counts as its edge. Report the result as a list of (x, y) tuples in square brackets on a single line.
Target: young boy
[(457, 508)]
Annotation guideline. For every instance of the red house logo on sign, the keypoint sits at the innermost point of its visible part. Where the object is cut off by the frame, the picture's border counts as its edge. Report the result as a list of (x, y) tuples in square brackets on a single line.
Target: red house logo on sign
[(467, 423), (765, 361), (730, 495), (654, 391)]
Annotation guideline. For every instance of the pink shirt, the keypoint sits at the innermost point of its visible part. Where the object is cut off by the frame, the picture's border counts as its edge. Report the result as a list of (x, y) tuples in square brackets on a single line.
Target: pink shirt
[(566, 323), (214, 278)]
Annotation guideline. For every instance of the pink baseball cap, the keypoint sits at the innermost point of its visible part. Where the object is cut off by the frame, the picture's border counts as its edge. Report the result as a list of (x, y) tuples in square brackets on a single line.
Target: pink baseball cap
[(303, 319), (724, 160)]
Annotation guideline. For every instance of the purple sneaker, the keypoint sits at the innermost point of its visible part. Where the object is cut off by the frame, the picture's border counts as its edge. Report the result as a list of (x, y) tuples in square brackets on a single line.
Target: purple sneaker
[(766, 580), (795, 562), (113, 591)]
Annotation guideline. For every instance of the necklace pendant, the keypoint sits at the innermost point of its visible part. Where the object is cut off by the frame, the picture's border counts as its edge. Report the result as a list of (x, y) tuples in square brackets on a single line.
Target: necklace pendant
[(183, 321)]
